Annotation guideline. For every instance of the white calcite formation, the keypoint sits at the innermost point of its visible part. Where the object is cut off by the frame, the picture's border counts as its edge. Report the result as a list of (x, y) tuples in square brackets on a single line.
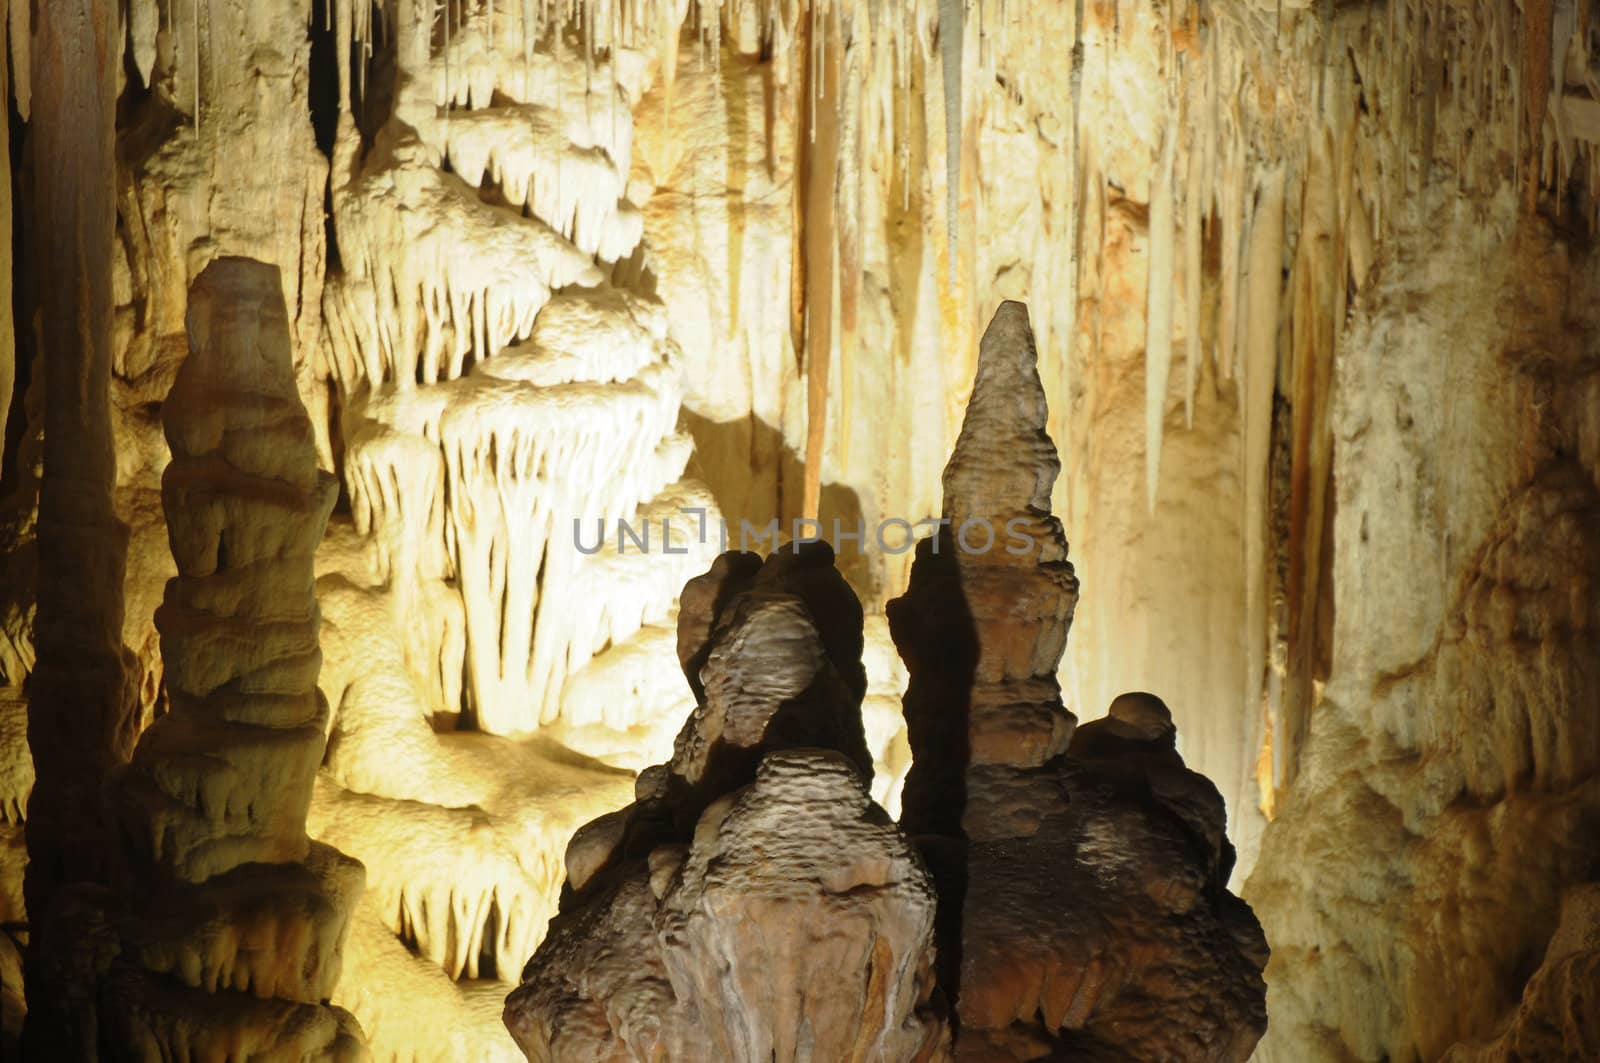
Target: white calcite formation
[(505, 395), (752, 903), (232, 921), (508, 401), (1453, 757), (1082, 872)]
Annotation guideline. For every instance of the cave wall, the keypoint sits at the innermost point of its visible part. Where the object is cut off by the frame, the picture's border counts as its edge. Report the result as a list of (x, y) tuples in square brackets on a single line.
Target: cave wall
[(1447, 796)]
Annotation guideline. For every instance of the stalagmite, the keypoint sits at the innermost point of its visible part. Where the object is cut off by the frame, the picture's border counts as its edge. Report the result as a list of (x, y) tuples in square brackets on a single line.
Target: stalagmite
[(1050, 840), (528, 317), (752, 903), (235, 920)]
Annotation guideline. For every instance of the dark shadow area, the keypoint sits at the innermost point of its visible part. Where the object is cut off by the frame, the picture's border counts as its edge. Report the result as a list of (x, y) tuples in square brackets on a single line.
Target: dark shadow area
[(934, 631), (17, 416), (756, 477), (323, 89)]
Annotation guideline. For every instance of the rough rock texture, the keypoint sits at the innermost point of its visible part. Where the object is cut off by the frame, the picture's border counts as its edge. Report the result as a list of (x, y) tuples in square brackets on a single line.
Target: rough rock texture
[(1448, 794), (1082, 874), (752, 903), (216, 156), (77, 709), (232, 922), (1559, 1015)]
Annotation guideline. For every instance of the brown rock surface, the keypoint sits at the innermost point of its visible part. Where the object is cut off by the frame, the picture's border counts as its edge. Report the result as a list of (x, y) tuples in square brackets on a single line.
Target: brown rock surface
[(753, 903), (1559, 1015), (1082, 876)]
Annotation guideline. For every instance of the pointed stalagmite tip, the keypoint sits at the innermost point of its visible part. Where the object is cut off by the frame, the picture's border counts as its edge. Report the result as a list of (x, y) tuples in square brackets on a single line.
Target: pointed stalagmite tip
[(1004, 460)]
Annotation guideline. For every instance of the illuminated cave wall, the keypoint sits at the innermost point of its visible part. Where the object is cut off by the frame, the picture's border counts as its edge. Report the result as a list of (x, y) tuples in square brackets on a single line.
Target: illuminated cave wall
[(1311, 288)]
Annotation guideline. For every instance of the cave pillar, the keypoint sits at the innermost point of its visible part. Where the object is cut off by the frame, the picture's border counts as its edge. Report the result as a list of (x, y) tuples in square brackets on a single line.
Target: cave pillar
[(231, 921), (78, 712)]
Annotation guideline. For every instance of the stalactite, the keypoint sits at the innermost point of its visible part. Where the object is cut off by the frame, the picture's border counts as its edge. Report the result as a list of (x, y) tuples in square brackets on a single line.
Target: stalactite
[(1537, 22), (144, 23), (1234, 221), (820, 242), (849, 195), (8, 339), (1432, 74), (1158, 313), (19, 30), (449, 94), (195, 61), (1193, 280), (1265, 284), (801, 95), (952, 18), (1318, 273)]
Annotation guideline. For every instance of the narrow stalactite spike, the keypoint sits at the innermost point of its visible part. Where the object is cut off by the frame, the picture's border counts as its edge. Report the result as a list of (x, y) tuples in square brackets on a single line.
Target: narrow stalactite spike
[(1193, 282), (1158, 313), (19, 30), (195, 60), (1257, 381), (952, 17)]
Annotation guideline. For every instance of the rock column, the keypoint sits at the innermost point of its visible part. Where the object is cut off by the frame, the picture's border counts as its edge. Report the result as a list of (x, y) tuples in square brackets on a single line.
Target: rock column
[(234, 920)]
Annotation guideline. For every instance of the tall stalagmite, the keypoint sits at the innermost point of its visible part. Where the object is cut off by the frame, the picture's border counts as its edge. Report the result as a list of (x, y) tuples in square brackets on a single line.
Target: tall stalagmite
[(1082, 873), (231, 921)]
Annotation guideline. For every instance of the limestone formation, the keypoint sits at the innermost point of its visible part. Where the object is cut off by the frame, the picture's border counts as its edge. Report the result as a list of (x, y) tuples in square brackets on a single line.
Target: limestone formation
[(752, 903), (1455, 748), (231, 921), (1556, 1018), (508, 397), (1082, 873), (78, 723), (529, 250)]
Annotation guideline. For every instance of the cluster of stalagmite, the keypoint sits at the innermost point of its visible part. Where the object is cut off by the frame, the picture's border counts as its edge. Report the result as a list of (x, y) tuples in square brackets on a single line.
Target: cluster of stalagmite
[(752, 903), (1083, 872)]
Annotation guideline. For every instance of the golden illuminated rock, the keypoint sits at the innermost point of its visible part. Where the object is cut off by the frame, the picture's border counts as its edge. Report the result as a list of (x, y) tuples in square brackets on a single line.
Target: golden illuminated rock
[(234, 920), (1312, 290)]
